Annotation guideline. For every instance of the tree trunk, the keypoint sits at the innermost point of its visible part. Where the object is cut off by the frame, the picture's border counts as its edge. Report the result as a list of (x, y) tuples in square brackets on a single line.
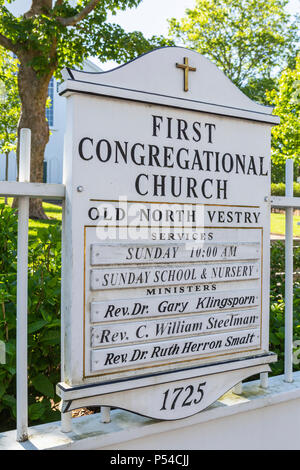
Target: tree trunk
[(33, 91)]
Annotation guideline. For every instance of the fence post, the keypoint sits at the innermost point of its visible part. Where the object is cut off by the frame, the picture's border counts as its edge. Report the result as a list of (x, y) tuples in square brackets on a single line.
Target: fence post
[(66, 418), (288, 341), (22, 290)]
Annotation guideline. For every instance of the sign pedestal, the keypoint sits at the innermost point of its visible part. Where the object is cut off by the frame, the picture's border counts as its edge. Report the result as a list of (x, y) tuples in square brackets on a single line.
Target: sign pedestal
[(172, 396)]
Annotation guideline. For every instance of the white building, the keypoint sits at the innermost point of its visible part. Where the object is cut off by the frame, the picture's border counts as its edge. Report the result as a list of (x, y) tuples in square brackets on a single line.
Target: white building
[(55, 114)]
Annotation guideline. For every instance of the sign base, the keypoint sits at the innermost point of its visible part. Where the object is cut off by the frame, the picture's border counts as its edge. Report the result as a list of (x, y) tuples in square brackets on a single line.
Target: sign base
[(171, 395)]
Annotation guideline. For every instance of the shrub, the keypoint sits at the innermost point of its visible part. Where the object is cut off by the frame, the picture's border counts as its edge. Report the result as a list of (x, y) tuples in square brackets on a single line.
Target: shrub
[(277, 278), (44, 271), (278, 189)]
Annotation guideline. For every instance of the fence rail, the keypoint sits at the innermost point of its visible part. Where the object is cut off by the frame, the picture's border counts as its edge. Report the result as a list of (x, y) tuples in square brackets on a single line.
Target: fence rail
[(42, 190), (281, 202)]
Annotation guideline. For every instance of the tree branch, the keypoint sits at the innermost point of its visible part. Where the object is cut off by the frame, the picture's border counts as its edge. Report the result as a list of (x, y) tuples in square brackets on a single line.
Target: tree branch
[(72, 20), (7, 44), (38, 7)]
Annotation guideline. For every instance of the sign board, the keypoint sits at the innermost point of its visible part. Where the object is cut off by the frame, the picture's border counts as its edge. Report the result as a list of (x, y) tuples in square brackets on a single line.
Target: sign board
[(166, 236)]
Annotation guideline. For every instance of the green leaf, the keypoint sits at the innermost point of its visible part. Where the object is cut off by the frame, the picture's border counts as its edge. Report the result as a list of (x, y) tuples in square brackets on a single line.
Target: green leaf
[(2, 389), (37, 325), (43, 385), (11, 402), (11, 370), (36, 411)]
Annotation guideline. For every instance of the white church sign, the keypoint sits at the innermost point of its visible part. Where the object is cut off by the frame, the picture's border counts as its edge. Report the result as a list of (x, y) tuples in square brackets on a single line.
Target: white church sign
[(166, 236)]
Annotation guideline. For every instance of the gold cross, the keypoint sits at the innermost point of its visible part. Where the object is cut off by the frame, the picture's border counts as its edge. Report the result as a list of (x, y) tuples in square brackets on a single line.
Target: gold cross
[(186, 68)]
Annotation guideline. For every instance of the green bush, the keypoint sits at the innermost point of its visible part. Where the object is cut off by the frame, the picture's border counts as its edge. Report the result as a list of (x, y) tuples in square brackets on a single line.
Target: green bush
[(278, 189), (277, 172), (44, 276), (277, 282)]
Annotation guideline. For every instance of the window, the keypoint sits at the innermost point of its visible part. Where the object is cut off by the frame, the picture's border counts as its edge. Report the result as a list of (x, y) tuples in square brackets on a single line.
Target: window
[(50, 109)]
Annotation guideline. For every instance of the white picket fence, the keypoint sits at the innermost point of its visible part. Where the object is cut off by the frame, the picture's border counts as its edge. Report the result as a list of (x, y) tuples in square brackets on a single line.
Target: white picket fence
[(24, 190)]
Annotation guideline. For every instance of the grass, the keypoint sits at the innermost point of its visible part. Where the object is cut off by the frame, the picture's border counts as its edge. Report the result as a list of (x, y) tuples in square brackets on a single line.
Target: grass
[(53, 211), (278, 224)]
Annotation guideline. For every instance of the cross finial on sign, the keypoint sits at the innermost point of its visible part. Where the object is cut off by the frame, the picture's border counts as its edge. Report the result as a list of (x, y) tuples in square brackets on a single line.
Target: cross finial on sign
[(186, 68)]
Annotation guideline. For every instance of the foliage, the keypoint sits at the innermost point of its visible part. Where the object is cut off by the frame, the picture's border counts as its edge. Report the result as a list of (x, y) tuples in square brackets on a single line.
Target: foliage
[(278, 189), (248, 39), (9, 102), (278, 223), (44, 273), (66, 34), (277, 304), (277, 172), (286, 136)]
